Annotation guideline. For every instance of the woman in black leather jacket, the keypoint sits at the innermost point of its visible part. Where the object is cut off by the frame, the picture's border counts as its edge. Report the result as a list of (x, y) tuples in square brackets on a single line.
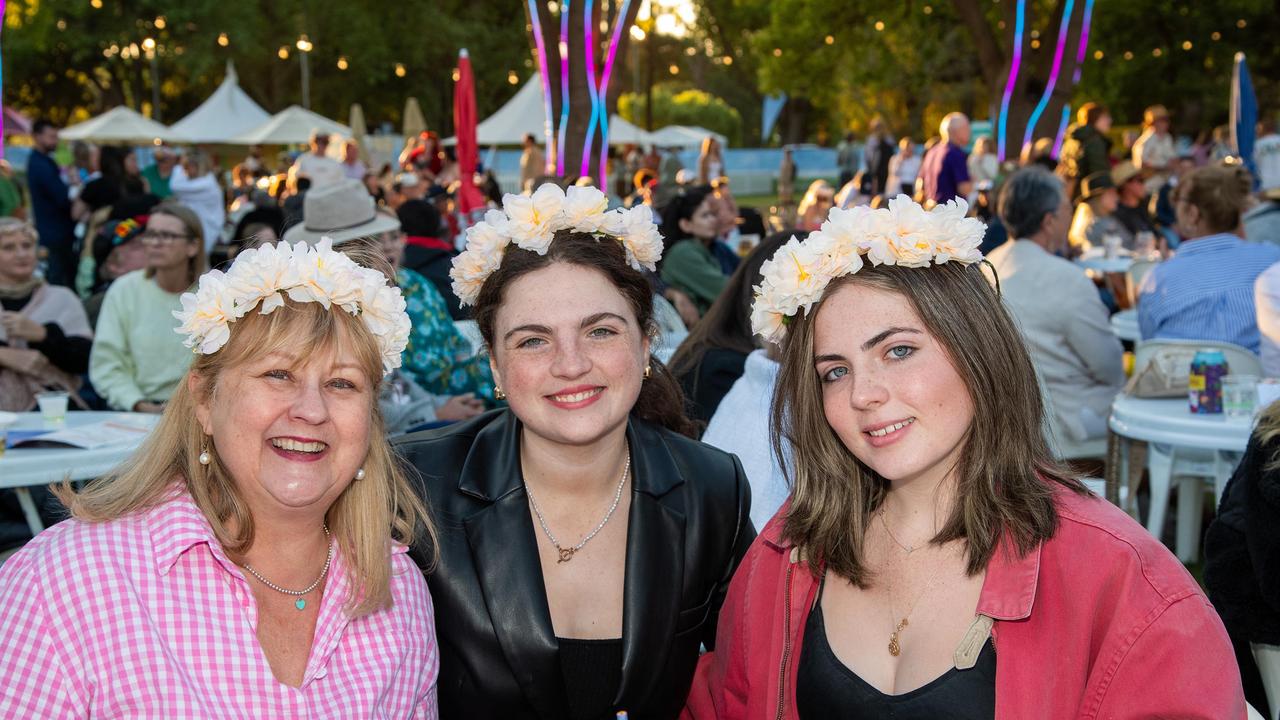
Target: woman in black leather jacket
[(585, 541)]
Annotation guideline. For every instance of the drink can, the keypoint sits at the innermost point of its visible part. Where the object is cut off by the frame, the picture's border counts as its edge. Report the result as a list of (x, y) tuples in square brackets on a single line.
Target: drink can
[(1205, 381)]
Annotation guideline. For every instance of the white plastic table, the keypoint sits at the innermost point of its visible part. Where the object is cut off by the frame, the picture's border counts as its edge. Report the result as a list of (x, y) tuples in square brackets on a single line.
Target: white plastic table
[(1167, 425), (1125, 325), (24, 468), (1096, 260)]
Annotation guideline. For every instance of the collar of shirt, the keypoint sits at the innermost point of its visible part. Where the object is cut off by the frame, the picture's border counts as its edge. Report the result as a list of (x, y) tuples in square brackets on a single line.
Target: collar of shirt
[(1208, 244)]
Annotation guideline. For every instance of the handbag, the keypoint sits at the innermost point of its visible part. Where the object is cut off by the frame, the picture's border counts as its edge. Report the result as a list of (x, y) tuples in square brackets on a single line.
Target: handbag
[(1166, 374)]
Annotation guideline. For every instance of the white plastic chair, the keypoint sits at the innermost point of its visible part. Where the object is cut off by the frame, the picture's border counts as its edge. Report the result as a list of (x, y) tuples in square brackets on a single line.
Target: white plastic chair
[(1063, 447), (1190, 466), (1136, 272)]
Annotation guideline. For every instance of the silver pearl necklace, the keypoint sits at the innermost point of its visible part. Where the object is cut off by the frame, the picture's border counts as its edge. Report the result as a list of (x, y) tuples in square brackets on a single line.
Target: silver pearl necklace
[(566, 553), (299, 603)]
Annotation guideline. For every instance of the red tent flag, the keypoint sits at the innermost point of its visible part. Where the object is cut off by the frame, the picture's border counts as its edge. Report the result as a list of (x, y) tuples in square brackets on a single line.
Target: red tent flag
[(470, 200)]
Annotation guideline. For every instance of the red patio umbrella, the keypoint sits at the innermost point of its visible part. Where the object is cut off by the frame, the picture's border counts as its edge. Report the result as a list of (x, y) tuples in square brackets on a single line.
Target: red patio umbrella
[(471, 202)]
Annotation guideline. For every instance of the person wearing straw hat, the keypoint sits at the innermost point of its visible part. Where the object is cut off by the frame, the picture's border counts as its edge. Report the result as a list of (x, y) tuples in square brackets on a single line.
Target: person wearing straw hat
[(1095, 219), (1132, 208), (438, 357)]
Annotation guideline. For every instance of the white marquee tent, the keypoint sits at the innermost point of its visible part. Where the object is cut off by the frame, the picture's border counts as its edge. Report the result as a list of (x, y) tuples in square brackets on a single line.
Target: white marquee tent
[(685, 136), (290, 126), (117, 125), (228, 113), (526, 113)]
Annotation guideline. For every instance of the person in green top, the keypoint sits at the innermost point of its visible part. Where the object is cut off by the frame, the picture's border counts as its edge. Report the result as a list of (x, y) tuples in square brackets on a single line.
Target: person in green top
[(689, 227), (157, 175)]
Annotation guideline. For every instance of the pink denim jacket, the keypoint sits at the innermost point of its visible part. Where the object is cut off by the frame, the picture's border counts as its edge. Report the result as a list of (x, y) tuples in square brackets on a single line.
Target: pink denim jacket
[(1101, 621)]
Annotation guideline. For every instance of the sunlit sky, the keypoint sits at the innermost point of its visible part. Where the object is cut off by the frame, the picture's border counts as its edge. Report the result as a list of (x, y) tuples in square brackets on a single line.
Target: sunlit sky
[(673, 17)]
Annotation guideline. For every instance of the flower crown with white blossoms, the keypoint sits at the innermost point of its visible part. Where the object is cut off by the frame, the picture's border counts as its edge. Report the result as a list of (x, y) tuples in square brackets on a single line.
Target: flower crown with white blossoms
[(530, 222), (304, 273), (903, 234)]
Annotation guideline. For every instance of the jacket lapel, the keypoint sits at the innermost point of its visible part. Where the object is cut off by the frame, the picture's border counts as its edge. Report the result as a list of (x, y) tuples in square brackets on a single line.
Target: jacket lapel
[(508, 568), (655, 564)]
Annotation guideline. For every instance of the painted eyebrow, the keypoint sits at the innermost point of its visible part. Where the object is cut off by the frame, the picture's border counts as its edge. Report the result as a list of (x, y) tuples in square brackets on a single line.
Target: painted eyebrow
[(589, 320)]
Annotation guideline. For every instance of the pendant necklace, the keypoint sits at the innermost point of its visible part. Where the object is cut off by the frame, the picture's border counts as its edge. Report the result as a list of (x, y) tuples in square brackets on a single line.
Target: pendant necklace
[(566, 553), (895, 648), (300, 603)]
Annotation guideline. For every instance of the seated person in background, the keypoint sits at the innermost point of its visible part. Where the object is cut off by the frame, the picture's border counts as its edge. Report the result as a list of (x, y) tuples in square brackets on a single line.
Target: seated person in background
[(195, 184), (1266, 297), (1061, 318), (117, 251), (426, 250), (1131, 211), (1242, 552), (689, 229), (137, 359), (815, 204), (711, 358), (1205, 291), (44, 334), (1095, 219), (1262, 221)]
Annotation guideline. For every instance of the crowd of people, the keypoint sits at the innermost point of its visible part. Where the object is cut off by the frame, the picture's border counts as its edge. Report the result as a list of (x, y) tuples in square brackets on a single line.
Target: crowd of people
[(792, 433)]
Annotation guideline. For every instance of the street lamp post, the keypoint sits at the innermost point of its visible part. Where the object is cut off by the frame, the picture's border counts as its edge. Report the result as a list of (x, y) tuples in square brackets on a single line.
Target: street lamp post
[(304, 48), (149, 46)]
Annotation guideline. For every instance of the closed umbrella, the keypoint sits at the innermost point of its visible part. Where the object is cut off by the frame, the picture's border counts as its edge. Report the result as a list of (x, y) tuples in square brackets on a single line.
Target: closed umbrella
[(470, 200), (359, 130), (1244, 114), (414, 122)]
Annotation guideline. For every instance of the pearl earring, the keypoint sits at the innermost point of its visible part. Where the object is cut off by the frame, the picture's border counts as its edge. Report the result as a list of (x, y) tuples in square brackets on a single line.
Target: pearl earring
[(204, 456), (360, 474)]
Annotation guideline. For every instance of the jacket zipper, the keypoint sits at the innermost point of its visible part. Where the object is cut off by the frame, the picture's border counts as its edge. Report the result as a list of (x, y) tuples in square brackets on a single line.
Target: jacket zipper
[(786, 641)]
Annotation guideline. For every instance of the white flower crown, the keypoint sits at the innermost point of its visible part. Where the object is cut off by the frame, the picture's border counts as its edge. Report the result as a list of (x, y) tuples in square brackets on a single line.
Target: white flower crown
[(903, 234), (304, 273), (531, 223)]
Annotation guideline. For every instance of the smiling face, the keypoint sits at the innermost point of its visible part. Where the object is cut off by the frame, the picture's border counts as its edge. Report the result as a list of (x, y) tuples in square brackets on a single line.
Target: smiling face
[(889, 390), (291, 435), (569, 353)]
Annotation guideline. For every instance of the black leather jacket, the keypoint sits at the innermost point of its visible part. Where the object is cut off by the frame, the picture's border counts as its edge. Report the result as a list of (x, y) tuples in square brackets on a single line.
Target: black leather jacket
[(689, 527)]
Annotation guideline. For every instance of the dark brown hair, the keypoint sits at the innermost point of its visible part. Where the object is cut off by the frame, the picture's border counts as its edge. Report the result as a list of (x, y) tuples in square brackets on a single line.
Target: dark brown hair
[(661, 401), (727, 324), (1219, 192), (1006, 473)]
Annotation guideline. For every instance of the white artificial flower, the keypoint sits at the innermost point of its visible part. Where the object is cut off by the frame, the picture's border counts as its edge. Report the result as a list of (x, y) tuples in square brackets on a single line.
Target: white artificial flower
[(206, 314), (767, 320), (909, 232), (534, 220), (793, 277), (639, 235), (956, 237), (584, 209)]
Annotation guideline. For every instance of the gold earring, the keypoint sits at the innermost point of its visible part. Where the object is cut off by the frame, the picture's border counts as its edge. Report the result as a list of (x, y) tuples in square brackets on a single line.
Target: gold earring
[(498, 394), (648, 370)]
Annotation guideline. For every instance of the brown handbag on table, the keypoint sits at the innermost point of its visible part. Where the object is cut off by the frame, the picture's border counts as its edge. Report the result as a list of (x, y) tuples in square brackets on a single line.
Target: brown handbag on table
[(1166, 374)]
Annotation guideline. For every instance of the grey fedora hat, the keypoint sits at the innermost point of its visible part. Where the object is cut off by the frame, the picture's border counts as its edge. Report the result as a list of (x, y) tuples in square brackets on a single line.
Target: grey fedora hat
[(342, 211)]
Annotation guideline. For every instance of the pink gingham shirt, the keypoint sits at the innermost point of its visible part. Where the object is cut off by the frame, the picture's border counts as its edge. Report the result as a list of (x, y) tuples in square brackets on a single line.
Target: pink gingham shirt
[(146, 617)]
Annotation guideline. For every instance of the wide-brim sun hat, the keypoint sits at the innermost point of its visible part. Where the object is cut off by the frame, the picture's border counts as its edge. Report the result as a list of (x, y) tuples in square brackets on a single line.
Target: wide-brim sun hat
[(342, 211), (1096, 184), (1124, 172)]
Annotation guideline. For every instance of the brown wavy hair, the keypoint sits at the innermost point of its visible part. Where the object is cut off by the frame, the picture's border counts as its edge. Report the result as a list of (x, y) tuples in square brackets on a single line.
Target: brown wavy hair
[(1006, 472), (661, 400)]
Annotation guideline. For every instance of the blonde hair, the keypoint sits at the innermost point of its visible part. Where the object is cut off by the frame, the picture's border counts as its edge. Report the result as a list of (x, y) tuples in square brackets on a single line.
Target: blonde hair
[(1006, 473), (17, 226), (364, 519), (1267, 430), (198, 263)]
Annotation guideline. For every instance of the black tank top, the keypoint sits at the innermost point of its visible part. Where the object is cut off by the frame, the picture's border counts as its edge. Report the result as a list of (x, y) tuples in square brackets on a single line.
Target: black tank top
[(825, 688)]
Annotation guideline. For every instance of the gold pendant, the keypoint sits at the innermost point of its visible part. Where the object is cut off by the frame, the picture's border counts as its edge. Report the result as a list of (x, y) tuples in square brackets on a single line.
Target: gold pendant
[(566, 554), (894, 648)]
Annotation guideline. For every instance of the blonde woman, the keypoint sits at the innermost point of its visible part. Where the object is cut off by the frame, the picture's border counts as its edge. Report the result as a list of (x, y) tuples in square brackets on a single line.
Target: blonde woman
[(249, 561), (813, 207), (934, 560), (137, 362)]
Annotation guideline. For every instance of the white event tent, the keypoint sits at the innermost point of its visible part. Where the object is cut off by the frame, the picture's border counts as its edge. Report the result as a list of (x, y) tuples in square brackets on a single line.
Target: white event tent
[(228, 113), (290, 126), (685, 136), (525, 113), (117, 125)]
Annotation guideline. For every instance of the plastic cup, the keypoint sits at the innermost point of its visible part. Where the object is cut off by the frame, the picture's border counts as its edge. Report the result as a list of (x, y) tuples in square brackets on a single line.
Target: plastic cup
[(53, 407), (1239, 395)]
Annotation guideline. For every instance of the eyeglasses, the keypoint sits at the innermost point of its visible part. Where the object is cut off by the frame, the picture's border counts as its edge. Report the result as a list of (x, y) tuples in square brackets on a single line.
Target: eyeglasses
[(160, 237)]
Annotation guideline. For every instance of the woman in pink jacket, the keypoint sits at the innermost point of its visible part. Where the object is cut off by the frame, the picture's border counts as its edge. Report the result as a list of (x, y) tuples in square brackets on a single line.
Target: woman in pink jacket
[(934, 560)]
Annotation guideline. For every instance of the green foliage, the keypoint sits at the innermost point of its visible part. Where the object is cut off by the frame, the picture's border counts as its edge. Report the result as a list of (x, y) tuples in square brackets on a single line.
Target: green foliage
[(58, 60), (684, 107)]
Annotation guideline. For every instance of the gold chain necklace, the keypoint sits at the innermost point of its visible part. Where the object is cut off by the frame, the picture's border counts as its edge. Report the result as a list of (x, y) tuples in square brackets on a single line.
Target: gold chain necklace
[(895, 648)]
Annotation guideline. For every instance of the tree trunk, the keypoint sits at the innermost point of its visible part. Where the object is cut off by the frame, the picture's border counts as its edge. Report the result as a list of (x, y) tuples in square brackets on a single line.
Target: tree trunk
[(573, 133)]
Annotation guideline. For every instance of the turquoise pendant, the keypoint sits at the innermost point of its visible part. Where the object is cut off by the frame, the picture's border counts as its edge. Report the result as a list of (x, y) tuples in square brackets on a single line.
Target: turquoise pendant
[(300, 603)]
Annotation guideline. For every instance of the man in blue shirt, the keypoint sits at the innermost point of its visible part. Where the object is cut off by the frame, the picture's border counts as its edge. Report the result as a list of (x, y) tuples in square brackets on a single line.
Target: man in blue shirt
[(51, 205), (1205, 291), (944, 173)]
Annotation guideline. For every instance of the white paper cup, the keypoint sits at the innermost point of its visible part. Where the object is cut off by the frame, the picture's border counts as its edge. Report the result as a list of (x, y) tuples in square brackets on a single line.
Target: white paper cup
[(53, 407)]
